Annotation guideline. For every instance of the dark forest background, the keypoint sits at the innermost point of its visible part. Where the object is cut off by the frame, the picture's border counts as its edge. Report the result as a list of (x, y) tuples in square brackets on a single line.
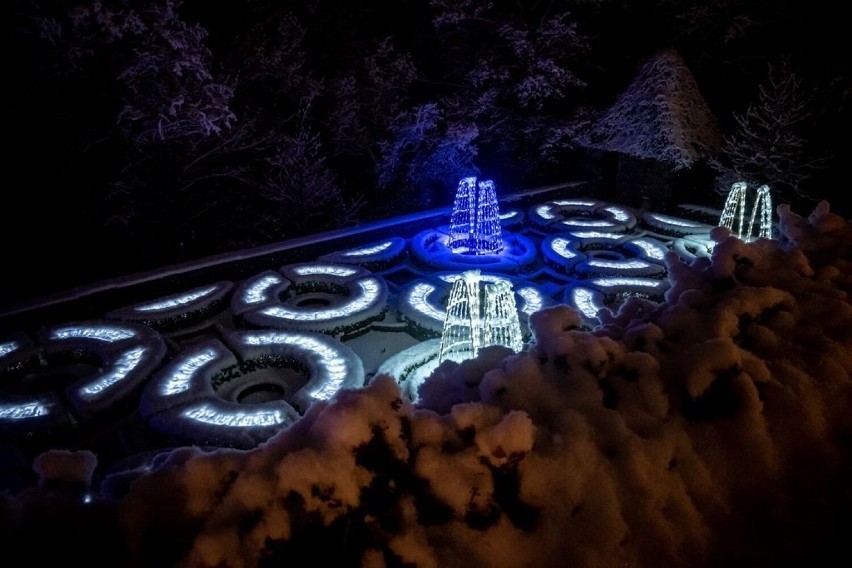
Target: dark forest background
[(147, 133)]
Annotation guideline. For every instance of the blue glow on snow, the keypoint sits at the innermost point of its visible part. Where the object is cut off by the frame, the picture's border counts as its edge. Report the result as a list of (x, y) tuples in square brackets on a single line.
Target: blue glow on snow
[(327, 354)]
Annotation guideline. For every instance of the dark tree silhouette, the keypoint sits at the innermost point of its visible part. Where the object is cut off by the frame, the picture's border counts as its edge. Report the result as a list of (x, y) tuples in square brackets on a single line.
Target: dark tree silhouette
[(770, 144)]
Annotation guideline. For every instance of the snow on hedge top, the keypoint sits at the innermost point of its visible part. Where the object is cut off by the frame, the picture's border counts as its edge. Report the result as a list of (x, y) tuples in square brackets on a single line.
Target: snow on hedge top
[(662, 116)]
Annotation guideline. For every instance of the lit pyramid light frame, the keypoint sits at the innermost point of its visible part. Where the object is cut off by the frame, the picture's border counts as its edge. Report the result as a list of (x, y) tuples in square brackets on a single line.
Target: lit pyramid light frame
[(479, 316), (734, 212), (475, 223)]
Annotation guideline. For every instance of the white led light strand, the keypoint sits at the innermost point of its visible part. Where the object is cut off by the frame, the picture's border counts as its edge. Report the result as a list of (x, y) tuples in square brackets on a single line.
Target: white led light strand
[(257, 292), (8, 347), (175, 301), (121, 367), (366, 251), (207, 414), (179, 380), (23, 411), (106, 334)]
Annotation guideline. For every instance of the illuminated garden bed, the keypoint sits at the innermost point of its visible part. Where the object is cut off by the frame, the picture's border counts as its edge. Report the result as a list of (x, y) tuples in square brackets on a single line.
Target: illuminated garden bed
[(242, 359)]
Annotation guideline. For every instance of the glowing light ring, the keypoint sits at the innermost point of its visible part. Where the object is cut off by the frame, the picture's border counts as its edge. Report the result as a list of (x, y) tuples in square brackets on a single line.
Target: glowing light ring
[(430, 249), (128, 354), (183, 402), (593, 253), (579, 214), (367, 295), (176, 301), (365, 300), (179, 311), (125, 357), (674, 226), (377, 256), (332, 365)]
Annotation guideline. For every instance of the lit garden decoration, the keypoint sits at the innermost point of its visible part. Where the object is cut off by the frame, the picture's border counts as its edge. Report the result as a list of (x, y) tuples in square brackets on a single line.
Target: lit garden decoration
[(479, 316), (735, 211), (239, 392), (475, 224), (423, 304), (108, 363)]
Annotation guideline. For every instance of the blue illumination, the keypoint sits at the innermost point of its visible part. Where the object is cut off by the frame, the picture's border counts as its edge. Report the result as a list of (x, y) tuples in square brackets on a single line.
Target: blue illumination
[(475, 223)]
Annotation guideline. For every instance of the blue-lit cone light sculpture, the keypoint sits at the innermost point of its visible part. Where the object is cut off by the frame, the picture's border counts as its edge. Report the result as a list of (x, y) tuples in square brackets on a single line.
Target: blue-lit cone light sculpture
[(479, 316), (734, 212), (475, 236), (475, 223)]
